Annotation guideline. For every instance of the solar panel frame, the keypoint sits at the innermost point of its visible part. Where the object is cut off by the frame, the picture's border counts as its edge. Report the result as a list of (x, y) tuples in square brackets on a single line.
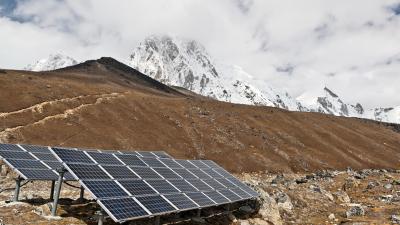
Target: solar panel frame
[(153, 204), (200, 199), (116, 211), (153, 162)]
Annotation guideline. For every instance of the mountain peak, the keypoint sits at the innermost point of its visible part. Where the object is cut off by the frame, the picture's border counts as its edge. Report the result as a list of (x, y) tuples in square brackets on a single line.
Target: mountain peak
[(52, 62)]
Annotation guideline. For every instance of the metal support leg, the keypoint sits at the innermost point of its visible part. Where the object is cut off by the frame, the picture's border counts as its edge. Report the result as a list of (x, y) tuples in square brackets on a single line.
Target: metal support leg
[(61, 172), (53, 183), (81, 194), (157, 220), (100, 214), (17, 189), (198, 214)]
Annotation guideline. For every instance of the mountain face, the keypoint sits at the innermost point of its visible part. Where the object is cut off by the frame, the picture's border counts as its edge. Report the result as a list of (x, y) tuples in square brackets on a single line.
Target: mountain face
[(186, 63), (53, 62)]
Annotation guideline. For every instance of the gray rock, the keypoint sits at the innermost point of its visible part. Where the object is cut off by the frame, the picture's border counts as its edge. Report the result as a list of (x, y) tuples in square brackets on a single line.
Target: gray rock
[(355, 210), (395, 219), (388, 186)]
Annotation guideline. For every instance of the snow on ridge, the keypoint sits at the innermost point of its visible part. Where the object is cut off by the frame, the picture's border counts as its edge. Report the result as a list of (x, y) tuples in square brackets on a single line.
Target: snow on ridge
[(54, 61)]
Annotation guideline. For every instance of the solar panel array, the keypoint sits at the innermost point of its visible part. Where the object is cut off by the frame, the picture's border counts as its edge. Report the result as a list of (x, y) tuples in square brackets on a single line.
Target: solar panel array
[(32, 162), (131, 186), (39, 163)]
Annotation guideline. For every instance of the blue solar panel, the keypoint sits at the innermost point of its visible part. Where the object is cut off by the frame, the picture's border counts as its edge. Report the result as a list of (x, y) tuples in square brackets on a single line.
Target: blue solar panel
[(199, 173), (16, 155), (10, 147), (167, 173), (45, 156), (214, 184), (45, 174), (123, 208), (33, 148), (105, 159), (201, 199), (105, 188), (131, 160), (181, 201), (171, 163), (217, 197), (186, 164), (72, 156), (156, 204), (183, 186), (146, 173), (26, 164), (184, 173), (230, 195), (200, 185), (199, 164), (85, 171), (120, 172), (162, 186), (137, 187), (152, 162)]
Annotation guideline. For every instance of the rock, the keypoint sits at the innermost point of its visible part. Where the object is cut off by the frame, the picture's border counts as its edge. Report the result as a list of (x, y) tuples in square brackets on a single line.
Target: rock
[(269, 209), (331, 216), (388, 176), (388, 186), (372, 184), (350, 183), (395, 219), (302, 180), (283, 201), (244, 222), (342, 197), (355, 210), (396, 182), (278, 179), (386, 198)]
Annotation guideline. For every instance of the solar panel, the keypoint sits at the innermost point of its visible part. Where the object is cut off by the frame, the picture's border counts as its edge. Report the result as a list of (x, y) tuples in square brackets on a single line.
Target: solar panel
[(105, 159), (145, 154), (230, 195), (181, 201), (167, 173), (200, 199), (104, 188), (16, 155), (120, 172), (85, 171), (186, 164), (131, 160), (211, 164), (214, 184), (137, 187), (33, 148), (216, 197), (145, 172), (72, 156), (171, 163), (161, 154), (184, 173), (162, 186), (45, 156), (223, 172), (156, 204), (199, 173), (122, 209), (199, 164), (183, 186), (212, 173), (200, 185), (241, 193), (10, 147), (152, 162), (27, 164), (39, 174), (226, 183)]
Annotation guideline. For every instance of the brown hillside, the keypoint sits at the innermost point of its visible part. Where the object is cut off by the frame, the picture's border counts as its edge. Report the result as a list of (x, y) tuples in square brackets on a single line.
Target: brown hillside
[(105, 104)]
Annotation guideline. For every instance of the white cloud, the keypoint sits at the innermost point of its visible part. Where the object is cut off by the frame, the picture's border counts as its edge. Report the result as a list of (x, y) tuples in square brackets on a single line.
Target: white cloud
[(341, 44)]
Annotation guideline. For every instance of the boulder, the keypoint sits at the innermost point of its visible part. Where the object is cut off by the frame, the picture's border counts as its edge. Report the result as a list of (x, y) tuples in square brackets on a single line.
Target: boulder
[(355, 210)]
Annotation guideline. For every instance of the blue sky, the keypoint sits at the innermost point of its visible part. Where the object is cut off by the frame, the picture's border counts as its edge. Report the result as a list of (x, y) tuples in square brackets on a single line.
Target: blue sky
[(299, 46)]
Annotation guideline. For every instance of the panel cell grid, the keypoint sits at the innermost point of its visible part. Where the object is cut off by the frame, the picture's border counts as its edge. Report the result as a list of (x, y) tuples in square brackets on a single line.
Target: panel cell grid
[(45, 156), (146, 172), (241, 193), (183, 186), (167, 173), (223, 172), (137, 187), (152, 162), (184, 173), (33, 148), (27, 164), (162, 186), (230, 195), (200, 199), (217, 197), (211, 163), (226, 183), (186, 164), (214, 184), (104, 158), (181, 201), (39, 174), (199, 173), (10, 147), (199, 164), (72, 156), (212, 173), (84, 171), (105, 188), (156, 204), (171, 163), (124, 208), (146, 154), (120, 172), (16, 155), (131, 160), (200, 185)]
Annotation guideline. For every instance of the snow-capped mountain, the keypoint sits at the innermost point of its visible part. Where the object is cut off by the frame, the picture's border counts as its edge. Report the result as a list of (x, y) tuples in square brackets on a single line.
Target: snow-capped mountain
[(186, 63), (52, 62), (330, 103)]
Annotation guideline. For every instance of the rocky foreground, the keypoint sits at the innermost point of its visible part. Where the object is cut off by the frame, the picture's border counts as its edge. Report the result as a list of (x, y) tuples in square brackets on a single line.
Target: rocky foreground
[(325, 197)]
